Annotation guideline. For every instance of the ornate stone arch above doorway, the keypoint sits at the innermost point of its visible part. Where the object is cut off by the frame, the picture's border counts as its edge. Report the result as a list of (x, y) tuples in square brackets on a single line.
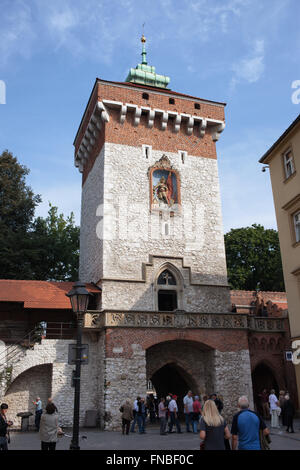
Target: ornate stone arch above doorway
[(168, 288)]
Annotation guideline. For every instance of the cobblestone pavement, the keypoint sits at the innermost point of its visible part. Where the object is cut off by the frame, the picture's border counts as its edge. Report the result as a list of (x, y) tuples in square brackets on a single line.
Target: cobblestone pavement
[(104, 440)]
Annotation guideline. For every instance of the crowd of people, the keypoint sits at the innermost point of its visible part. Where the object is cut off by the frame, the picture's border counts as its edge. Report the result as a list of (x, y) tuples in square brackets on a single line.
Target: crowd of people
[(271, 406), (165, 411), (248, 428)]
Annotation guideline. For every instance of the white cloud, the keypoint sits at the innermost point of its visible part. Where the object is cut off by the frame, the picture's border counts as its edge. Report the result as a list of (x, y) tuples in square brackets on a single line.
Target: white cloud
[(251, 68), (16, 31)]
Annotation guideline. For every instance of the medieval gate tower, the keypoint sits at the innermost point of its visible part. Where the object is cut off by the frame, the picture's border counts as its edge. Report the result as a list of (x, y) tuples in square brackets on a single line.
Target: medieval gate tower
[(152, 240)]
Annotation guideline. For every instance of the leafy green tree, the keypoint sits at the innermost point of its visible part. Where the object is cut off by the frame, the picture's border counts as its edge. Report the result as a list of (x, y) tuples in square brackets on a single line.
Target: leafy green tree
[(253, 259), (45, 249), (55, 241), (17, 206)]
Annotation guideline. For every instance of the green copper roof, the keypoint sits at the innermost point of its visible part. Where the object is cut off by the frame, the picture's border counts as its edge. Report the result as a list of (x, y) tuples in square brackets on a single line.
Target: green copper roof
[(145, 74)]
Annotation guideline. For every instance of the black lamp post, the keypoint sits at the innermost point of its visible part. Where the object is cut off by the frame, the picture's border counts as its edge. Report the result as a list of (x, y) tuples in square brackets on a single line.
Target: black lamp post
[(79, 298)]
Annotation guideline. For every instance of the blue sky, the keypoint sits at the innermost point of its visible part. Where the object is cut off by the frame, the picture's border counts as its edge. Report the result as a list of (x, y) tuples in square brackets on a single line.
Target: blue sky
[(243, 52)]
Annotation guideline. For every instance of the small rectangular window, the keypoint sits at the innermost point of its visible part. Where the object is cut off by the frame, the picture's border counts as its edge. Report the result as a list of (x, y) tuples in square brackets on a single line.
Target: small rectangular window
[(171, 101), (297, 226), (145, 96), (197, 106), (288, 161)]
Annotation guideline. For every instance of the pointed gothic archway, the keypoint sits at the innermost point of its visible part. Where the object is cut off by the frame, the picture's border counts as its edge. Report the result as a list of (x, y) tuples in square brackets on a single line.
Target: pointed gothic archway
[(178, 366), (171, 378), (263, 378)]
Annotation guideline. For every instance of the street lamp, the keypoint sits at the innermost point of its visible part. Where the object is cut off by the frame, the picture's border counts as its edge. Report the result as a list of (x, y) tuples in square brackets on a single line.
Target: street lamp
[(79, 298)]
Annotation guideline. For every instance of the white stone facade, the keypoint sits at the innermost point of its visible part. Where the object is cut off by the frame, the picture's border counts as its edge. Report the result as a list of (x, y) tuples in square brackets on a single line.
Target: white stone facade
[(119, 233)]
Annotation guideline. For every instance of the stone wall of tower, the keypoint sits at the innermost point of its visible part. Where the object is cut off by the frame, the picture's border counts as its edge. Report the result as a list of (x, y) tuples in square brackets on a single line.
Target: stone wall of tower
[(91, 227), (116, 208)]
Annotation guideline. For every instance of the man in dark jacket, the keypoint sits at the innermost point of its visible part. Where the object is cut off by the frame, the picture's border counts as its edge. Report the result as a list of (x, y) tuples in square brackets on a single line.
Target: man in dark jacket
[(217, 401), (141, 416), (288, 411), (3, 427)]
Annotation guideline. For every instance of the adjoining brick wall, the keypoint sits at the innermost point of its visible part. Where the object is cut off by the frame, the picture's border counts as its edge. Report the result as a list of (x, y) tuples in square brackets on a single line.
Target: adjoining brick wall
[(269, 349), (277, 308)]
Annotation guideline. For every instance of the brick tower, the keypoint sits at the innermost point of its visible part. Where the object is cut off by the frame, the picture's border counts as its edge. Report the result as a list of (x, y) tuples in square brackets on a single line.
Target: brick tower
[(151, 238)]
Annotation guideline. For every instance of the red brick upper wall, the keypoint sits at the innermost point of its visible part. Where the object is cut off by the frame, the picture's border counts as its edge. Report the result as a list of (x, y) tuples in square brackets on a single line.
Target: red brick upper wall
[(165, 140), (159, 98)]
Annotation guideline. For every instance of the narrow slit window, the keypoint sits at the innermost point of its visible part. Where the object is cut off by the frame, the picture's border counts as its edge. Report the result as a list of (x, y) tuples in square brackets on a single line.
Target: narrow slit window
[(183, 155), (147, 151)]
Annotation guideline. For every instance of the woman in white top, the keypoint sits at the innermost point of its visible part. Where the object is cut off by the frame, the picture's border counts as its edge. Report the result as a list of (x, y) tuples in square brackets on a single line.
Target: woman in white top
[(274, 408)]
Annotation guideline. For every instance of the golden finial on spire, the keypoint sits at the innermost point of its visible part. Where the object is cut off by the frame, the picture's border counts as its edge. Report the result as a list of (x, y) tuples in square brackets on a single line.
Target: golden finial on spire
[(143, 39)]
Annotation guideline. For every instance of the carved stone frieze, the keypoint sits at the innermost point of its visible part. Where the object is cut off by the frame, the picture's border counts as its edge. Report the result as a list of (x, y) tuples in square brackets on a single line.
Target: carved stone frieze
[(181, 319)]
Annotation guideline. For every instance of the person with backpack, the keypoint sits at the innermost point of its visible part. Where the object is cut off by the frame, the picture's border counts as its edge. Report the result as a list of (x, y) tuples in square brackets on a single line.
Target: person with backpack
[(246, 428)]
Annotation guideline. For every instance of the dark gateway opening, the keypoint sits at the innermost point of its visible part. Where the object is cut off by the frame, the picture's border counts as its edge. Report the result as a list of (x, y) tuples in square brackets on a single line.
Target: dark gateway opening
[(169, 380)]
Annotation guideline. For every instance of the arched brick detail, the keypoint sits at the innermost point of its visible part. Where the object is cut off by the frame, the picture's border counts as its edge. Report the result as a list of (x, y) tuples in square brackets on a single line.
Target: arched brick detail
[(193, 360), (268, 364), (188, 336), (221, 340)]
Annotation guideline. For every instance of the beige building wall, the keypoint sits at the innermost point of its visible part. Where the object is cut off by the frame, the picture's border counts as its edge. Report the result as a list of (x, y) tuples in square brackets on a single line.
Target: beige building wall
[(286, 193)]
